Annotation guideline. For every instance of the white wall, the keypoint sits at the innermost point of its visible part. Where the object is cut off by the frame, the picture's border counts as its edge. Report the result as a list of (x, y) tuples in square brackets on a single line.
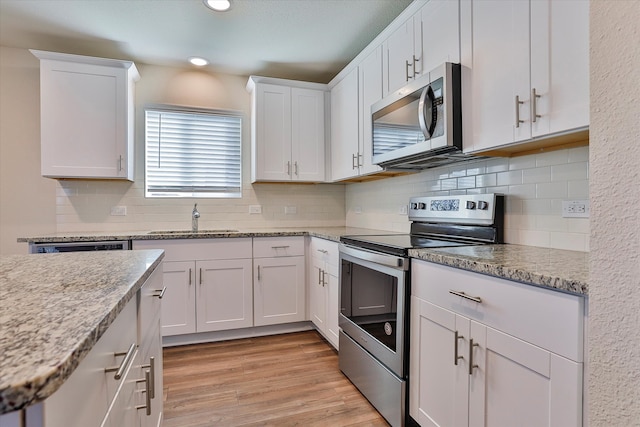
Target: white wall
[(614, 285), (27, 201), (32, 205), (535, 186)]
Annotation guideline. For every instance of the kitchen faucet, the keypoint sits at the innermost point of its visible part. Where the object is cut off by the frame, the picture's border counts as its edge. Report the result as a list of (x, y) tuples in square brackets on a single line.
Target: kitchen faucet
[(194, 218)]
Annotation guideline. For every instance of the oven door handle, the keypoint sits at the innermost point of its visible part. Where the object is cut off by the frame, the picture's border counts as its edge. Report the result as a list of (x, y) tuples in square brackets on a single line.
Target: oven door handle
[(379, 258)]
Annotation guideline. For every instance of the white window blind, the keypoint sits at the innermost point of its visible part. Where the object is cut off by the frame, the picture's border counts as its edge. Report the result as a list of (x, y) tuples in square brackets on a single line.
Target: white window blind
[(192, 154)]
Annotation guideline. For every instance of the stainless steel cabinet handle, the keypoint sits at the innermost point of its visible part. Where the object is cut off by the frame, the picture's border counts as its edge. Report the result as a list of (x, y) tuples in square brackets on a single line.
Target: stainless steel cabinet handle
[(324, 251), (360, 160), (161, 294), (457, 337), (295, 167), (407, 65), (258, 272), (189, 277), (471, 365), (415, 73), (200, 276), (463, 295), (128, 358), (534, 105), (354, 160), (518, 103), (147, 404), (324, 275), (280, 247), (119, 163), (288, 168), (152, 367), (319, 276)]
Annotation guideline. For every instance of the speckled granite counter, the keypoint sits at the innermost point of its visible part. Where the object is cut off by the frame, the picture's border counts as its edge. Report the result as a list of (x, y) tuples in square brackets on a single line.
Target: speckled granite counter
[(53, 309), (552, 268), (329, 233)]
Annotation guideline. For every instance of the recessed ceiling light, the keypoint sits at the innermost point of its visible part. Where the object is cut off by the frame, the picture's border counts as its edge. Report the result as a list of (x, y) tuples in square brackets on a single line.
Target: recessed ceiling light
[(218, 5), (198, 62)]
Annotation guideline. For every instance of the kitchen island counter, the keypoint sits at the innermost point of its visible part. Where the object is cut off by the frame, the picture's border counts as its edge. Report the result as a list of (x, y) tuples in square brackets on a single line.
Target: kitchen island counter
[(546, 267), (53, 309)]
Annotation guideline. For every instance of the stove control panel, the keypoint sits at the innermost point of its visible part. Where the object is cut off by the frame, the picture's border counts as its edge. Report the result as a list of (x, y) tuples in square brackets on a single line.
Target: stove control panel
[(463, 209)]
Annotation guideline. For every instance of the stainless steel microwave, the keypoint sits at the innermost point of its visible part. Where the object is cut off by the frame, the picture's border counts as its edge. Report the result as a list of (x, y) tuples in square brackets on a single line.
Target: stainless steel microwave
[(420, 125)]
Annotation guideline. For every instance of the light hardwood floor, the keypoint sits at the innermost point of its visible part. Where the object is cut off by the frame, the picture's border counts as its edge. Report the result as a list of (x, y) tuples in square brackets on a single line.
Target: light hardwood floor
[(281, 380)]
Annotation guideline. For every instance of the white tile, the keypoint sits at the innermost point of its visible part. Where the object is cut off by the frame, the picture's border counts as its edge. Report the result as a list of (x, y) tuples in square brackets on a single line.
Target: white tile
[(535, 238), (458, 170), (552, 158), (497, 165), (487, 180), (522, 162), (449, 184), (578, 225), (524, 191), (569, 241), (467, 182), (510, 178), (476, 168), (476, 191), (551, 190), (537, 207), (551, 223), (569, 172), (579, 154), (578, 189), (535, 175)]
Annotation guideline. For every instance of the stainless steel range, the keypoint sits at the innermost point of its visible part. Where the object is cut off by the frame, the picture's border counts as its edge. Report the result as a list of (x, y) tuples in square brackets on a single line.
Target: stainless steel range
[(374, 292)]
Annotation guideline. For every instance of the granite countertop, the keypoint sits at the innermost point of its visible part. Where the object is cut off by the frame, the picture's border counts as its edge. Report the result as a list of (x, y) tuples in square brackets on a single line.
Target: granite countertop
[(552, 268), (53, 309), (328, 233)]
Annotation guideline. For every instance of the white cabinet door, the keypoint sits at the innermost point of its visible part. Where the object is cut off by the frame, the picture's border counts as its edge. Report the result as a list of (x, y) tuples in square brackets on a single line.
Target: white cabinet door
[(86, 116), (272, 133), (279, 290), (178, 303), (344, 127), (370, 76), (333, 297), (439, 383), (500, 72), (224, 296), (560, 65), (440, 33), (516, 383), (403, 54), (317, 295), (308, 141)]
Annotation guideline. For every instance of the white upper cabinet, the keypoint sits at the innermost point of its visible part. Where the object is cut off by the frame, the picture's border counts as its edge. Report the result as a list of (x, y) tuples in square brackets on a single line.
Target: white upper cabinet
[(528, 64), (440, 33), (403, 54), (344, 127), (370, 83), (86, 116), (288, 130)]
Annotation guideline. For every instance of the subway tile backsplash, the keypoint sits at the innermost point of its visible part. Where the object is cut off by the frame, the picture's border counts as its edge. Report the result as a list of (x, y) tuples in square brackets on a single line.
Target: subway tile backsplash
[(535, 186)]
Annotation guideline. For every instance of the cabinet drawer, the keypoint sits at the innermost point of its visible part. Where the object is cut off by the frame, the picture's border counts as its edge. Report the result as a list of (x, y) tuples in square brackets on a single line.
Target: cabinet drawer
[(550, 319), (199, 249), (325, 250), (273, 247)]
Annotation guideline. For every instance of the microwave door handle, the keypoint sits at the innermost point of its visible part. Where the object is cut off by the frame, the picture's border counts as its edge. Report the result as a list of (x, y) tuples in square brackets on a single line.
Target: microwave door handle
[(427, 129)]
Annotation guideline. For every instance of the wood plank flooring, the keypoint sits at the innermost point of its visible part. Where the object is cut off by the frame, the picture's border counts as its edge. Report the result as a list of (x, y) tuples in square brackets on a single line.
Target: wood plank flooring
[(282, 380)]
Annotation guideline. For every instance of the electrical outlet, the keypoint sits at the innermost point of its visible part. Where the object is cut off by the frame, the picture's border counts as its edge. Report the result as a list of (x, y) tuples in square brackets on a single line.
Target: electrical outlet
[(575, 209), (255, 209), (402, 210), (290, 210), (118, 210)]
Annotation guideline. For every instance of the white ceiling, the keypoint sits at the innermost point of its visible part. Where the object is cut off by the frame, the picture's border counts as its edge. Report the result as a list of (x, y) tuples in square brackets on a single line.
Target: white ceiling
[(297, 39)]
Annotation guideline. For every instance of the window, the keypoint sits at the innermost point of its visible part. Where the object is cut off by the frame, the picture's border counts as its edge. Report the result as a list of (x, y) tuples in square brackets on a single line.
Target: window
[(192, 153)]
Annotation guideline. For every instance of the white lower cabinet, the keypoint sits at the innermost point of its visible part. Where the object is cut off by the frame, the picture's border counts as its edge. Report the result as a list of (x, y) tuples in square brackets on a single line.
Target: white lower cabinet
[(209, 284), (515, 358), (323, 287), (279, 280)]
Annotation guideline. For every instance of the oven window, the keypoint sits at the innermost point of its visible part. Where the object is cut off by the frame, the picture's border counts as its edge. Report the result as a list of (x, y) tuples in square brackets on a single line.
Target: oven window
[(369, 299)]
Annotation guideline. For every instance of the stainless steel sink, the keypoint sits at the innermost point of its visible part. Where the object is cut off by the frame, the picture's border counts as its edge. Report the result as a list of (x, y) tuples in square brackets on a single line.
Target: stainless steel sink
[(193, 232)]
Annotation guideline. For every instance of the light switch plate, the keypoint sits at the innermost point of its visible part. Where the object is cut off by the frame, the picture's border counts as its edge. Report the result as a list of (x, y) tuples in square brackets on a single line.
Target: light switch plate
[(290, 210), (255, 209), (118, 210)]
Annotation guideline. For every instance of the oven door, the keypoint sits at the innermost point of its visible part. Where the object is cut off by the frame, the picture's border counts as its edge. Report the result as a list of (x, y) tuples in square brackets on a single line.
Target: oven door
[(373, 291)]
